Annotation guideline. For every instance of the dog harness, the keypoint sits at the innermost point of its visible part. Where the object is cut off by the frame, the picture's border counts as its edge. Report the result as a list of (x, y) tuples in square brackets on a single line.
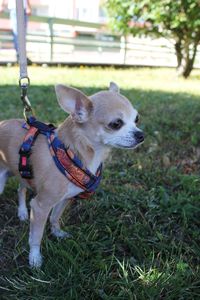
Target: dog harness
[(66, 160)]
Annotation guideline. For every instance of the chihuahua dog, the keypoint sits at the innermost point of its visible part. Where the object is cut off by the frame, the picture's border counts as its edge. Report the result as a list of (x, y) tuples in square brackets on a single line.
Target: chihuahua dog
[(94, 125)]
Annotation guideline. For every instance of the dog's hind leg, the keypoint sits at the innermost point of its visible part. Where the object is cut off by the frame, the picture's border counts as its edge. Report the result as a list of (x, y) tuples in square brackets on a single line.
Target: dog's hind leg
[(22, 209), (55, 218), (3, 179)]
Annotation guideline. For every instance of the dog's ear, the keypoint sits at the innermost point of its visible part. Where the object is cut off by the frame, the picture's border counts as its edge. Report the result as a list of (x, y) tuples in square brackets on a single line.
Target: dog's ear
[(74, 102), (113, 87)]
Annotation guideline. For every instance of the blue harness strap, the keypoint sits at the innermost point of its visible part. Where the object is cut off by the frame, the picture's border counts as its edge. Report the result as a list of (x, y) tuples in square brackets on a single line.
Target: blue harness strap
[(66, 161)]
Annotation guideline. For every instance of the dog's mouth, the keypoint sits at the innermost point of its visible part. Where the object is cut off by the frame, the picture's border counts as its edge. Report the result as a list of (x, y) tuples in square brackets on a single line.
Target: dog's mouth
[(132, 146)]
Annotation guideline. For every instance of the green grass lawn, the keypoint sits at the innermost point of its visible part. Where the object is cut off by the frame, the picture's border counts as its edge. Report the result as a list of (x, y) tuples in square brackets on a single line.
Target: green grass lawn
[(138, 238)]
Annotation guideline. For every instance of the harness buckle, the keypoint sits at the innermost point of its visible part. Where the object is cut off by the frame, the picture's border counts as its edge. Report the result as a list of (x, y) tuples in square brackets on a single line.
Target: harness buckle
[(25, 168)]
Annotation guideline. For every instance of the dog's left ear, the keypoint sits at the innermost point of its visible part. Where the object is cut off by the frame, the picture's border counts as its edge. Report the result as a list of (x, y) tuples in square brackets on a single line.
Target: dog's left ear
[(74, 102), (113, 87)]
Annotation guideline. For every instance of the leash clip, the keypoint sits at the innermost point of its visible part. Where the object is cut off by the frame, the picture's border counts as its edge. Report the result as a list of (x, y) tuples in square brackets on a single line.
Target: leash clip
[(24, 97)]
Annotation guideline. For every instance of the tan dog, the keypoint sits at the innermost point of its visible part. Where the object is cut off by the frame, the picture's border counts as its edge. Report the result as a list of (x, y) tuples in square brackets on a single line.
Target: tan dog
[(97, 123)]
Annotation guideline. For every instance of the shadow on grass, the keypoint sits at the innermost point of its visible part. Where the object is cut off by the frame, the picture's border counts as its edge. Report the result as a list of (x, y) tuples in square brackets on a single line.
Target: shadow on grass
[(145, 214)]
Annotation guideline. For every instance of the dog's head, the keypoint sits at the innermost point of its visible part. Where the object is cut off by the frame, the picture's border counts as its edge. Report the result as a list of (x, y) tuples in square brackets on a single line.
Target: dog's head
[(105, 118)]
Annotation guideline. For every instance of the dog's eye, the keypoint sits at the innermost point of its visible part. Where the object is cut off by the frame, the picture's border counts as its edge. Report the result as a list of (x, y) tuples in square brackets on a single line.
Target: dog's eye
[(137, 119), (116, 125)]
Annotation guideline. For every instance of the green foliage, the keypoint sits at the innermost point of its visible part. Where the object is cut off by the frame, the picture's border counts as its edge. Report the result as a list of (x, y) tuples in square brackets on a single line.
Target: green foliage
[(166, 17), (178, 20), (138, 238)]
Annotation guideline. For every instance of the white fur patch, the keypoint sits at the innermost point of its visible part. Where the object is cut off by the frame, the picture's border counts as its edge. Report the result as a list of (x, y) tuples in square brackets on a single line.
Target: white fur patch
[(35, 257), (22, 213), (60, 233)]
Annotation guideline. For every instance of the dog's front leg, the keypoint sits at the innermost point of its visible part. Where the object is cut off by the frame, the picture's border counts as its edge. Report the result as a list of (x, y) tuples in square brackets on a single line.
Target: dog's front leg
[(55, 217), (38, 217)]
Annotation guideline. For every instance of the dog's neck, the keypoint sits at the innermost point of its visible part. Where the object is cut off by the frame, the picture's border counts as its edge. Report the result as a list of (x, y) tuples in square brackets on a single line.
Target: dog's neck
[(90, 154)]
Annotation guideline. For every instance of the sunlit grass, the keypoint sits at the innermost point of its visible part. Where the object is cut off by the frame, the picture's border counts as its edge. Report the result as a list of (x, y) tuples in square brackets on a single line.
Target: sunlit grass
[(142, 78)]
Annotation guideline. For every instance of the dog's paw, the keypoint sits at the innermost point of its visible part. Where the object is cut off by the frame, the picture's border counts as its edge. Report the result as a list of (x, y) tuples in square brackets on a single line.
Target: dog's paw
[(35, 258), (60, 233), (23, 214)]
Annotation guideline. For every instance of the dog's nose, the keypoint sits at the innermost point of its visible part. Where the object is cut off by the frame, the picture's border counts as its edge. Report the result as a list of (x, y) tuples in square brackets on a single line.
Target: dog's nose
[(139, 136)]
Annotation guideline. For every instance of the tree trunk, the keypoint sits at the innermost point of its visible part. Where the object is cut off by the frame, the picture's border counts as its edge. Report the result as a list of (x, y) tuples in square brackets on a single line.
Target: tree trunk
[(178, 53), (185, 58)]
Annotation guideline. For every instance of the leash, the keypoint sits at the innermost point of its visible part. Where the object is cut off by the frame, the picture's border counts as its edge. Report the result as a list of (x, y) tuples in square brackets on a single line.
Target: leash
[(65, 160), (24, 81)]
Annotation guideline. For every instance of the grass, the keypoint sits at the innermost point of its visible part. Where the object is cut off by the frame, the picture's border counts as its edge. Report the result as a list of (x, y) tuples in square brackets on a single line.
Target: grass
[(139, 236)]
